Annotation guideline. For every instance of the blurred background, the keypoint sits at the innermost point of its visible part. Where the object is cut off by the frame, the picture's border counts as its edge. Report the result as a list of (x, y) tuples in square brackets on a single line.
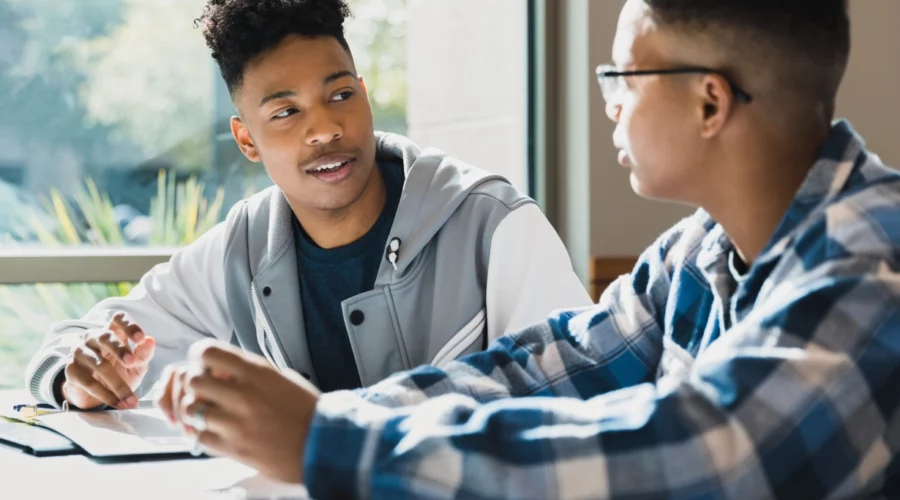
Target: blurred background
[(115, 147)]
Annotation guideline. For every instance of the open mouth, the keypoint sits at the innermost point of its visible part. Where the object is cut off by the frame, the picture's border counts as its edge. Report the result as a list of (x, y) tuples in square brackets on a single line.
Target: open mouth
[(333, 171), (331, 167)]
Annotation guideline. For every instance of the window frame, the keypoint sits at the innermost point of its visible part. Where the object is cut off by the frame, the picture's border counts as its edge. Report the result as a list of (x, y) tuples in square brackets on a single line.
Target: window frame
[(85, 264)]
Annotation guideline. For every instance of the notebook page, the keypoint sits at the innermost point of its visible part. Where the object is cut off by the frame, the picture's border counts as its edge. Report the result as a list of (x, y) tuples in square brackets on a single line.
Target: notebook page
[(143, 431)]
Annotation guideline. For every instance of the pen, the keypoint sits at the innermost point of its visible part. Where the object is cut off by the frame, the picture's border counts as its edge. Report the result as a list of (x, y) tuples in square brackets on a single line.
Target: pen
[(28, 411), (39, 406)]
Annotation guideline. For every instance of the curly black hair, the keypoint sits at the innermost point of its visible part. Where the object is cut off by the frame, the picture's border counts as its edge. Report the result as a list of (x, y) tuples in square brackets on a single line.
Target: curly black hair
[(237, 31)]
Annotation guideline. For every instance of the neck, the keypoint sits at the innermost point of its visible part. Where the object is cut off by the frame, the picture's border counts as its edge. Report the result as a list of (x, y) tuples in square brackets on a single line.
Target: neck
[(340, 227), (764, 182)]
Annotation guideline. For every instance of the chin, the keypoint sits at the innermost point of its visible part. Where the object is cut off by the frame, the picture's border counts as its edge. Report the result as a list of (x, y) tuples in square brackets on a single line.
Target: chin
[(639, 188), (335, 203), (648, 190), (322, 200)]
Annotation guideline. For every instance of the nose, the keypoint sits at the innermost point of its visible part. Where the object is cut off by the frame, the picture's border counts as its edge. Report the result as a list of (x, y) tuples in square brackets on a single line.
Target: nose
[(323, 128)]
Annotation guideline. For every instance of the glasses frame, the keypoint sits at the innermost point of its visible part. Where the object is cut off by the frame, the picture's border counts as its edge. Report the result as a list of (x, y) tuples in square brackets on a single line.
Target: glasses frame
[(607, 72)]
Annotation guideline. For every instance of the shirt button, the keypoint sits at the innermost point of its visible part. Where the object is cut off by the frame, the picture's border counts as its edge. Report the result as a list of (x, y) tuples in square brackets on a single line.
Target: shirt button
[(357, 317), (267, 291)]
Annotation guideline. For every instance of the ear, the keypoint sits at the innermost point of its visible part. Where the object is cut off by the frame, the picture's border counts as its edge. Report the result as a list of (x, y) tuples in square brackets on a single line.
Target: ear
[(717, 104), (362, 83), (243, 139)]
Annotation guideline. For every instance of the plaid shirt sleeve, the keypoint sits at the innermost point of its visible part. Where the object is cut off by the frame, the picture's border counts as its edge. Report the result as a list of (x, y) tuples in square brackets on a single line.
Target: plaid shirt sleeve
[(623, 348), (783, 406)]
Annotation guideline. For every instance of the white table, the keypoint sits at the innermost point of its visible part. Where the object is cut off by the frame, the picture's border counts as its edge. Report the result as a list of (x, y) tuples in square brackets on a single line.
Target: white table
[(76, 476)]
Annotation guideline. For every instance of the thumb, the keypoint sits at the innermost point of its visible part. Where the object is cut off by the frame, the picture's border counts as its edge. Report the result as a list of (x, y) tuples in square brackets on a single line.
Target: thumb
[(144, 350)]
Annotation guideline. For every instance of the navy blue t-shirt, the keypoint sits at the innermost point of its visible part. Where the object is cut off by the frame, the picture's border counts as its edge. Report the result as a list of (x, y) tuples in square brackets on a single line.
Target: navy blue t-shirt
[(330, 276)]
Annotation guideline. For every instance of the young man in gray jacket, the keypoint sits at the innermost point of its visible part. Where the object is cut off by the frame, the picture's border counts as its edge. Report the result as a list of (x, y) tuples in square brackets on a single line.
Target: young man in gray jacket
[(369, 255)]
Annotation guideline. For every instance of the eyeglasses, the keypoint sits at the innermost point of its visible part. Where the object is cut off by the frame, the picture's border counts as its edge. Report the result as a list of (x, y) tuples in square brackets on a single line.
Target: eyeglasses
[(612, 81)]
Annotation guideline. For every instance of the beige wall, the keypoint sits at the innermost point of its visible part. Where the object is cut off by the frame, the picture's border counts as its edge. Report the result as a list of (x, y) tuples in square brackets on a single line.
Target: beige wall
[(870, 96), (622, 224), (467, 81)]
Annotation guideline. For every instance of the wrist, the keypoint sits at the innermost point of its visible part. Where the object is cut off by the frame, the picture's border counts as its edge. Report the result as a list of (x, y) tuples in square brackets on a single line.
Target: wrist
[(57, 385), (341, 448)]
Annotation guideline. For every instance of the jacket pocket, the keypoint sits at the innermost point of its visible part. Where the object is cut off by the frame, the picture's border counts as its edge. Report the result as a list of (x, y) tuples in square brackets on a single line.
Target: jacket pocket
[(462, 340)]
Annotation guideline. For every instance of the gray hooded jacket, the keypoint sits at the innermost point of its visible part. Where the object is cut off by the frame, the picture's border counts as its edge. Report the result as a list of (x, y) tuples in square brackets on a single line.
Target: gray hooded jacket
[(468, 259)]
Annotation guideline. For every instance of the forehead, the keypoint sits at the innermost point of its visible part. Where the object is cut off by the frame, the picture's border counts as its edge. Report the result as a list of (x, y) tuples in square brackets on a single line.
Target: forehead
[(296, 62), (639, 40)]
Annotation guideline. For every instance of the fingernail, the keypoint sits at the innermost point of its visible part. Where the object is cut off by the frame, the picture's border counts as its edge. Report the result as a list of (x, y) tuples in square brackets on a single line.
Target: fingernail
[(128, 358), (139, 336), (132, 401)]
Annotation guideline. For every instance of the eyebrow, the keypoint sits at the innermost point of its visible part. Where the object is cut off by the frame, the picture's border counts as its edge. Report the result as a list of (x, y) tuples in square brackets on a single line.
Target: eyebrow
[(337, 76), (290, 93), (277, 95)]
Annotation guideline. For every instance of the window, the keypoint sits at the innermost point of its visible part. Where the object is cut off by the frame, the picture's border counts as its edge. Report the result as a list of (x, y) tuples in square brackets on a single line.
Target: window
[(121, 133), (119, 149), (28, 311)]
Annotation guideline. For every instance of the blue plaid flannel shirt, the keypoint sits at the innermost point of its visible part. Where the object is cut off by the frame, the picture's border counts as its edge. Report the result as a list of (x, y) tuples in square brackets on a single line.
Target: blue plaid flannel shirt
[(683, 382)]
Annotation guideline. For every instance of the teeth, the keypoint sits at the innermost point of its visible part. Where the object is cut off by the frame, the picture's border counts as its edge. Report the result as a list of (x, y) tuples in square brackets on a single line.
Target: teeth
[(330, 166)]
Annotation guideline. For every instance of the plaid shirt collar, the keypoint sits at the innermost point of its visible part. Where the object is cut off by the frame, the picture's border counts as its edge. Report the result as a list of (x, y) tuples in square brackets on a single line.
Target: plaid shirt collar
[(837, 159)]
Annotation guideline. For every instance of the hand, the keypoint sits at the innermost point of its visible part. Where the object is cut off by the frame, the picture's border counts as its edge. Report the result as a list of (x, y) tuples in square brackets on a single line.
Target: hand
[(104, 369), (173, 393), (253, 412)]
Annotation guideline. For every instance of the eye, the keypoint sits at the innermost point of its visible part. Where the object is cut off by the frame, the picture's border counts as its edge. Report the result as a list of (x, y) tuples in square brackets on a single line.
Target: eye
[(284, 114), (342, 96)]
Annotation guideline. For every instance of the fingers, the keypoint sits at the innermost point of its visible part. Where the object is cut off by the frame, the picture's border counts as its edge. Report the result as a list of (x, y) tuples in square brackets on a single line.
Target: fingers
[(164, 399), (82, 378), (93, 374), (221, 392), (177, 393), (121, 324), (109, 346), (94, 370), (214, 437), (214, 417), (76, 395), (212, 443), (144, 350), (223, 359)]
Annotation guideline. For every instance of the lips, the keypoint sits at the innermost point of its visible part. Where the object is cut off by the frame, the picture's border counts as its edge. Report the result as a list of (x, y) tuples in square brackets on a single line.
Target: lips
[(624, 158), (332, 169), (329, 163)]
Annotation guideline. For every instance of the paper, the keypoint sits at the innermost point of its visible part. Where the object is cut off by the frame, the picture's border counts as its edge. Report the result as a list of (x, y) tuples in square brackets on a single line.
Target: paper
[(143, 431)]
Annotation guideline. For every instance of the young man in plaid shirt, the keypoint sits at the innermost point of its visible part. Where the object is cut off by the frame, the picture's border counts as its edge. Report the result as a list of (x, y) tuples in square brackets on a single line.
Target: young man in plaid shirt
[(754, 351)]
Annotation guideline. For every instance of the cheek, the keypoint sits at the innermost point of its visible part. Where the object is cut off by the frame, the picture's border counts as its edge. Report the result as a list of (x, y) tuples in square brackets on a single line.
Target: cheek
[(357, 121), (281, 151), (658, 136)]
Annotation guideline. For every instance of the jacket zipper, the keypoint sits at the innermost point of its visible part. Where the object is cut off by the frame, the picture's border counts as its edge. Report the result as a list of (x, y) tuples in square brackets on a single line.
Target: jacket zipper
[(267, 342)]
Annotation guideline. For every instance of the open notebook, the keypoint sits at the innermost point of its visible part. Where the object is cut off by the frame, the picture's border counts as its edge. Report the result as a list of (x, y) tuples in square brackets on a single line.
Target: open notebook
[(119, 433)]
